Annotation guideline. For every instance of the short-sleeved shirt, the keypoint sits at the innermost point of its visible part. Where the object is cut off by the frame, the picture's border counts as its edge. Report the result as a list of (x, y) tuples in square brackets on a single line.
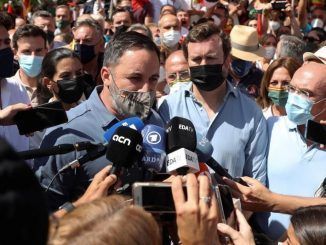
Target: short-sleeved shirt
[(293, 169), (238, 131), (86, 122)]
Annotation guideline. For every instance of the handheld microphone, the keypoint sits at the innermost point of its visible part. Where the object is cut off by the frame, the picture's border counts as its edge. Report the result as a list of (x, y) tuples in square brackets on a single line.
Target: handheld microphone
[(204, 151), (153, 154), (56, 150), (180, 146), (124, 148), (133, 122)]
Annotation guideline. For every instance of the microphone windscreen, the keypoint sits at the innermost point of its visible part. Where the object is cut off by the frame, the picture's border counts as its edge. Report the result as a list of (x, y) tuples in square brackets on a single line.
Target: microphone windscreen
[(154, 140), (125, 147), (204, 148), (133, 122), (180, 134)]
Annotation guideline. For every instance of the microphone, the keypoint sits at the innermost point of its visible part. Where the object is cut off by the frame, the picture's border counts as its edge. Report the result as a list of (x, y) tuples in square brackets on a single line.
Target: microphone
[(133, 122), (56, 150), (124, 148), (204, 151), (180, 146), (153, 154)]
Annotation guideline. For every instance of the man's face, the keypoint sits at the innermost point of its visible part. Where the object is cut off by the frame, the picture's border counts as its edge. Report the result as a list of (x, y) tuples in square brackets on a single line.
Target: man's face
[(310, 81), (167, 23), (252, 23), (155, 31), (136, 70), (62, 14), (183, 18), (176, 68), (19, 22), (221, 15), (207, 52), (34, 46), (86, 35), (320, 14), (121, 18), (46, 24), (4, 38)]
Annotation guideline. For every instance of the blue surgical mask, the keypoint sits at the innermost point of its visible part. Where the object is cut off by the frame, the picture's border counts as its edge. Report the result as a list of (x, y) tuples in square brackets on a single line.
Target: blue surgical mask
[(30, 64), (298, 109), (241, 67)]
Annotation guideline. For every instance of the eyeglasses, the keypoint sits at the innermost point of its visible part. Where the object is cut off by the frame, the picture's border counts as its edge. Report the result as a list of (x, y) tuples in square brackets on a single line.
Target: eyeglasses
[(6, 41), (303, 93), (181, 75)]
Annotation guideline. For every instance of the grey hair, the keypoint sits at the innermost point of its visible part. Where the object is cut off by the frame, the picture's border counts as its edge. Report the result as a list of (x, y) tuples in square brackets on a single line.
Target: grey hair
[(141, 27), (127, 41), (291, 46), (41, 13), (90, 22)]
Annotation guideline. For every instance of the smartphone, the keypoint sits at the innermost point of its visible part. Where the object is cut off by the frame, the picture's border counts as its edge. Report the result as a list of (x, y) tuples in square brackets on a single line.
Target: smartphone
[(227, 210), (154, 197), (279, 5), (40, 117), (315, 132)]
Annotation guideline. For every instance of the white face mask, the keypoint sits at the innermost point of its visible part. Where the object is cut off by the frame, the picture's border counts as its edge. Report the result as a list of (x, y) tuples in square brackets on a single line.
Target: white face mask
[(171, 38), (274, 25), (217, 20), (317, 23), (269, 52), (177, 86)]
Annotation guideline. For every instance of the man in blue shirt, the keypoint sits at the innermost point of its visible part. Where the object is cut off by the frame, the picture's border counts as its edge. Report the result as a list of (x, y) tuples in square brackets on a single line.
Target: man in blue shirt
[(130, 74), (229, 119)]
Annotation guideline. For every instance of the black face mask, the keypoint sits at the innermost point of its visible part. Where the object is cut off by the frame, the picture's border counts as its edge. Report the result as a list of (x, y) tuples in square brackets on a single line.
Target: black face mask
[(207, 77), (49, 36), (6, 63), (85, 52), (71, 90)]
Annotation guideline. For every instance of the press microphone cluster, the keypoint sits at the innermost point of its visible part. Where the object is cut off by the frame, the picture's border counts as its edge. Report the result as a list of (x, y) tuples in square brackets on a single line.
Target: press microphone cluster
[(180, 146)]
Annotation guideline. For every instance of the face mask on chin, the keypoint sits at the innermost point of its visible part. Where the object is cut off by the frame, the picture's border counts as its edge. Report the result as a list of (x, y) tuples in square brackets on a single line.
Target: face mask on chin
[(207, 77), (131, 103)]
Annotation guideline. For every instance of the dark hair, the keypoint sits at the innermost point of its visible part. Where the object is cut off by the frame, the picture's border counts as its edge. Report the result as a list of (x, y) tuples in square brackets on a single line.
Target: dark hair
[(224, 8), (62, 6), (127, 41), (204, 31), (320, 33), (122, 10), (91, 23), (28, 31), (290, 64), (265, 37), (23, 210), (52, 58), (309, 225), (6, 20), (41, 13), (168, 5)]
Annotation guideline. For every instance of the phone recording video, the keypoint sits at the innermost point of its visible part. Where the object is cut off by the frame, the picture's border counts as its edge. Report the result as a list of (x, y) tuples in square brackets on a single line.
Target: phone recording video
[(315, 132), (154, 197), (227, 210), (40, 117)]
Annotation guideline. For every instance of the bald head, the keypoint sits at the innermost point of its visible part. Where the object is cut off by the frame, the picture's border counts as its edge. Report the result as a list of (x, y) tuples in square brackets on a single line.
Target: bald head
[(311, 77), (176, 63), (167, 22)]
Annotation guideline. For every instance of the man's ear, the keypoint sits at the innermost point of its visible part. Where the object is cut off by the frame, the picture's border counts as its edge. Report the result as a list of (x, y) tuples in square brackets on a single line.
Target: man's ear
[(106, 75), (226, 64)]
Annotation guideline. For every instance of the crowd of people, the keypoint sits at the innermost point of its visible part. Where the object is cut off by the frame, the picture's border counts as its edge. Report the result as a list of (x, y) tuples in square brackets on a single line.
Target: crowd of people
[(248, 74)]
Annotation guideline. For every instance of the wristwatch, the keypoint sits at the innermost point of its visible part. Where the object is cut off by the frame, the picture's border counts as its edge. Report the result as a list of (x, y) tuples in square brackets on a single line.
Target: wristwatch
[(67, 206)]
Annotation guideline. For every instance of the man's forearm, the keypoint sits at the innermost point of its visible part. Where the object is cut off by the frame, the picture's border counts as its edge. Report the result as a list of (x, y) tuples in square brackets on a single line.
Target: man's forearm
[(288, 204)]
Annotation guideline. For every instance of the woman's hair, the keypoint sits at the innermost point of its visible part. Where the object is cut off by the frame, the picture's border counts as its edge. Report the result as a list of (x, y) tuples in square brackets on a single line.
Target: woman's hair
[(82, 218), (265, 37), (309, 225), (128, 225), (290, 64), (109, 220), (23, 211), (52, 58)]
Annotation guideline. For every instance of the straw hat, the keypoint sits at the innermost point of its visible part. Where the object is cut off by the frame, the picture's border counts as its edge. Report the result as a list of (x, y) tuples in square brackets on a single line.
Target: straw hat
[(319, 55), (245, 44)]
